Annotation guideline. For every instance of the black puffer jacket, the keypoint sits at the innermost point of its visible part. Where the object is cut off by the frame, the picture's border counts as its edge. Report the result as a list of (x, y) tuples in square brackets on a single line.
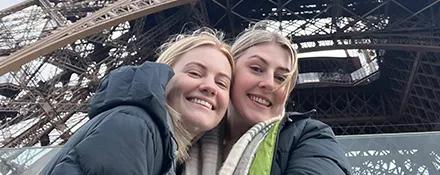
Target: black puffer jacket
[(128, 131), (307, 146)]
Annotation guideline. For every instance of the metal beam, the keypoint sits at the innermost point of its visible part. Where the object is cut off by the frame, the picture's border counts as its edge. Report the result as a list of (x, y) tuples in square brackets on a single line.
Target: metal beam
[(106, 17), (55, 15), (358, 119), (359, 40), (398, 47), (409, 83), (415, 14)]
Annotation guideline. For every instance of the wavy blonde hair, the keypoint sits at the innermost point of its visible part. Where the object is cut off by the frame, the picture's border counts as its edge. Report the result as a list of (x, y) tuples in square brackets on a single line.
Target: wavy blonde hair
[(169, 53), (258, 34)]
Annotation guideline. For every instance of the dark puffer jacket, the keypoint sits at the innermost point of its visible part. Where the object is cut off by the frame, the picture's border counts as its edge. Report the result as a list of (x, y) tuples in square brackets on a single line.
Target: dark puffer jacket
[(128, 131), (307, 146)]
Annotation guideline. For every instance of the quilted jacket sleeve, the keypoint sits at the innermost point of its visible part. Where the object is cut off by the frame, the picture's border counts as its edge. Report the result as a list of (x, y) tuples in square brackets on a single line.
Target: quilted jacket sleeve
[(316, 152), (120, 144)]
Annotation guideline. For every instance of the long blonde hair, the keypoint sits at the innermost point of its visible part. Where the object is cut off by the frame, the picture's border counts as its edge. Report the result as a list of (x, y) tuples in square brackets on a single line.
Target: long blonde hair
[(259, 35), (182, 43), (170, 53)]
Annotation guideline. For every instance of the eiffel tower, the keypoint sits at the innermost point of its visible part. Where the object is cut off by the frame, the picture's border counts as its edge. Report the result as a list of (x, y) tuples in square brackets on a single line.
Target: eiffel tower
[(383, 75)]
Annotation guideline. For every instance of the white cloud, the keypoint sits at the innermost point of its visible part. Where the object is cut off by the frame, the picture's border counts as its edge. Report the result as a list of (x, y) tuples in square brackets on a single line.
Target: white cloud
[(7, 3)]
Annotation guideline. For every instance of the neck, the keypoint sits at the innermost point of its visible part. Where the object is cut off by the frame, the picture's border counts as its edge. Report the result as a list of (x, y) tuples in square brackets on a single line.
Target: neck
[(183, 135), (235, 128), (193, 132)]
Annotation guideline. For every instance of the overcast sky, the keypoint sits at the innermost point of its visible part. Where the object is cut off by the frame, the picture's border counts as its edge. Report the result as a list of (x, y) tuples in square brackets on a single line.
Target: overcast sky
[(7, 3)]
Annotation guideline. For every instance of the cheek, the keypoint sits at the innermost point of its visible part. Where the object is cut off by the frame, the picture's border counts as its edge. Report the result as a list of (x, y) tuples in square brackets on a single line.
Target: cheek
[(242, 81), (236, 91), (170, 93), (280, 97), (223, 100), (173, 89)]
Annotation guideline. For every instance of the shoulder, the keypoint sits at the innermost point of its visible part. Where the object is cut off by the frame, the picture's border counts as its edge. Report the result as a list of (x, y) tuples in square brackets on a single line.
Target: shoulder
[(129, 116), (298, 128), (115, 130), (304, 140), (304, 122)]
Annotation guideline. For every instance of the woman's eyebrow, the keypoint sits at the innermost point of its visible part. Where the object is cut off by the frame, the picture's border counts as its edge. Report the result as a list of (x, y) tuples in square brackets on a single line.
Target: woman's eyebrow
[(226, 76), (266, 63), (195, 64), (200, 65), (286, 70), (258, 57)]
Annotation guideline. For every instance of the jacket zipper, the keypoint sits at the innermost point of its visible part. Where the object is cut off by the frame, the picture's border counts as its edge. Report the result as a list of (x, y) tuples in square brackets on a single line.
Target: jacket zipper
[(282, 123)]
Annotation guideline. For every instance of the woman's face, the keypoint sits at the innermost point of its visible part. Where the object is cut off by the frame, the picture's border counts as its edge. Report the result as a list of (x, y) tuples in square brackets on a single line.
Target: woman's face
[(199, 90), (257, 94)]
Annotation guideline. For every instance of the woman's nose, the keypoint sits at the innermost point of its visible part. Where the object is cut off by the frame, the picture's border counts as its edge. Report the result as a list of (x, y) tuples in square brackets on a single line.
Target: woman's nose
[(208, 88), (267, 83)]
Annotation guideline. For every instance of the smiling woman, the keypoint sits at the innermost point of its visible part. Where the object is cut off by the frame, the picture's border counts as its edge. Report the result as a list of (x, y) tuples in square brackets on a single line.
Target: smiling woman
[(260, 138), (258, 84), (142, 118), (200, 88)]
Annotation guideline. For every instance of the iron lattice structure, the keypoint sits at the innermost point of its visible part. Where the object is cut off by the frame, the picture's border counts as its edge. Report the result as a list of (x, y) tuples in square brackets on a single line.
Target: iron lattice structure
[(54, 52)]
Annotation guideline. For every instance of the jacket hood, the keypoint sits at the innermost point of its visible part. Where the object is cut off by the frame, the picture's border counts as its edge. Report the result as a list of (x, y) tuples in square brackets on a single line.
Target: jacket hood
[(142, 86)]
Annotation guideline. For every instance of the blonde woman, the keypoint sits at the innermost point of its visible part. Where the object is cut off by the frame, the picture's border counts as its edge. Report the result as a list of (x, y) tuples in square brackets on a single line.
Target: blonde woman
[(143, 118), (265, 140)]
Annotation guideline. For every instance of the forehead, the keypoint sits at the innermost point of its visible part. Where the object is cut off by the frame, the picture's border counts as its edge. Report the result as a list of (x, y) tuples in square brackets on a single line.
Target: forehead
[(271, 53), (208, 56)]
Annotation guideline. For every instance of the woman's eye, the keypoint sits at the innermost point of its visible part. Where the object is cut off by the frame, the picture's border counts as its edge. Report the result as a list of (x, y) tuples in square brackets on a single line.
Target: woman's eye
[(194, 74), (280, 78), (222, 84), (256, 69)]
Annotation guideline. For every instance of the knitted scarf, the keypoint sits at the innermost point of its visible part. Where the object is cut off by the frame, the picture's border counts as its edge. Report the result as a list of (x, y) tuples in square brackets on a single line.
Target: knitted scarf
[(206, 155)]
